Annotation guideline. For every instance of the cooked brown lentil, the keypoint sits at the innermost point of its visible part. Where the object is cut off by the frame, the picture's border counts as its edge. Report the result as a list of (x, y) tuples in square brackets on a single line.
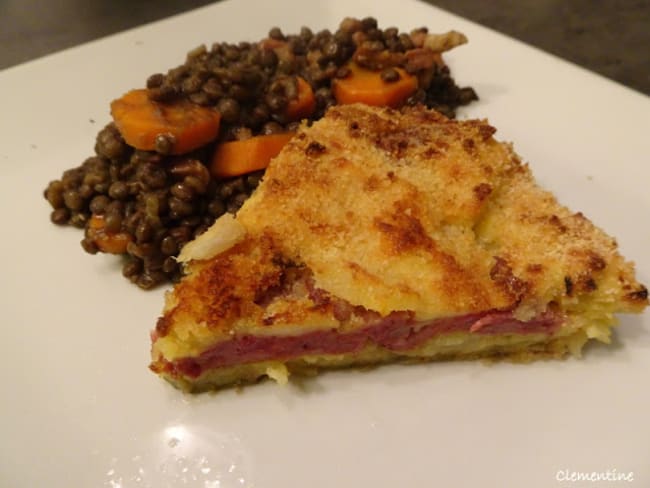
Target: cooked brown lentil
[(162, 201)]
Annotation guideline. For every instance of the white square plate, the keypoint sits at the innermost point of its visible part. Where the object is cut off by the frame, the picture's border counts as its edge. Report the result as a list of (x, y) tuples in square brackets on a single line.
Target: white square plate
[(80, 408)]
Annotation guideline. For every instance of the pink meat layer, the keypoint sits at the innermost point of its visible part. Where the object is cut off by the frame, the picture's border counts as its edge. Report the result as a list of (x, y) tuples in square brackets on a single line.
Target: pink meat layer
[(396, 332)]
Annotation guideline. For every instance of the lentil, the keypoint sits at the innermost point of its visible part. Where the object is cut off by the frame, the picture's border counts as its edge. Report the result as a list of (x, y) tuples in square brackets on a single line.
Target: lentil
[(164, 143), (390, 75), (98, 204), (60, 216), (118, 190), (161, 201)]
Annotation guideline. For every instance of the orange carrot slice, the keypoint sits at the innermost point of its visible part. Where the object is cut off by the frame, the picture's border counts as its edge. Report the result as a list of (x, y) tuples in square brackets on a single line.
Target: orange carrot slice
[(304, 104), (235, 158), (141, 120), (365, 86), (109, 242)]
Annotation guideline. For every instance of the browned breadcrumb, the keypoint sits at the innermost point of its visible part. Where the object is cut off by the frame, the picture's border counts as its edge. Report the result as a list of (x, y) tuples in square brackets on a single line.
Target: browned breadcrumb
[(397, 211)]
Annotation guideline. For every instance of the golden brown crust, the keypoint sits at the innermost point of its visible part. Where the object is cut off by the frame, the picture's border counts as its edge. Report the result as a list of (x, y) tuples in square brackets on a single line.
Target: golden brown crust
[(428, 214), (397, 211), (401, 182)]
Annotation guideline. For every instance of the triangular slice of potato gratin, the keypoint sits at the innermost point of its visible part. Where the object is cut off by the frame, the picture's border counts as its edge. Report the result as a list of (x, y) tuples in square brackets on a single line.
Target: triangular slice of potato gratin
[(379, 235)]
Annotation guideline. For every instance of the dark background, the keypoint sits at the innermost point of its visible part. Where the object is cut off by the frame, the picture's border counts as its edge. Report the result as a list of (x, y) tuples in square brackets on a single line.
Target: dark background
[(611, 37)]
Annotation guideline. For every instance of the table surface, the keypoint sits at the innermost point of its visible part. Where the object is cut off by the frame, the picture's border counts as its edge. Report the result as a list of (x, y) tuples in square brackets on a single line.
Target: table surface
[(611, 38)]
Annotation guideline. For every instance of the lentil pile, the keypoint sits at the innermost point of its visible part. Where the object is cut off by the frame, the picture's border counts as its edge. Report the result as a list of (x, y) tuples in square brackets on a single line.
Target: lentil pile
[(146, 204)]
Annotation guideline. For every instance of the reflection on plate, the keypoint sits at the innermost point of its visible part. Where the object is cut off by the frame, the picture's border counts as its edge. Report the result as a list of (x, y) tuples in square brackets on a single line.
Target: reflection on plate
[(181, 455)]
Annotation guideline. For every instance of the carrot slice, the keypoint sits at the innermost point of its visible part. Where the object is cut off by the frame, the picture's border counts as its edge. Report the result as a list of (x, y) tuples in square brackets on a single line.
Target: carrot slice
[(113, 243), (235, 158), (304, 104), (365, 86), (141, 120)]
